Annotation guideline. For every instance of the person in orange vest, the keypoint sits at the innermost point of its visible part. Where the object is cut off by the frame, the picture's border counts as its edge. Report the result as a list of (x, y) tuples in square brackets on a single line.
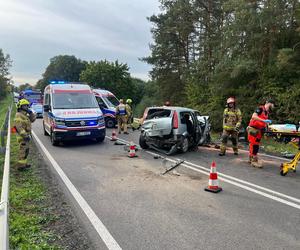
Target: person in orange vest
[(257, 125)]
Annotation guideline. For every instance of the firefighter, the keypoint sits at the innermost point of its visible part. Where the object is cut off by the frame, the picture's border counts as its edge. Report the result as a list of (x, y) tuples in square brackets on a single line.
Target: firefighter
[(22, 123), (122, 113), (130, 113), (257, 125), (232, 119)]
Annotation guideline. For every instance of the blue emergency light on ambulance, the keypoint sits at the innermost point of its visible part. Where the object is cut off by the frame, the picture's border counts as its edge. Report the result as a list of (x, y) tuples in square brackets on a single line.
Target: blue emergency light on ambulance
[(71, 112), (107, 102)]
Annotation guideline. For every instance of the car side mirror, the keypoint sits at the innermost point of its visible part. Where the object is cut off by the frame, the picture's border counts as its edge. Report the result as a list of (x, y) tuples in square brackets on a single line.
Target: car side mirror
[(47, 108)]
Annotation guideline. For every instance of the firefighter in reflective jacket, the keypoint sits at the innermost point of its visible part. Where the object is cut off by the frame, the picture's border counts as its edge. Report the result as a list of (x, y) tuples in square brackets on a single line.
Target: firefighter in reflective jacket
[(22, 123), (232, 119), (257, 126), (122, 113)]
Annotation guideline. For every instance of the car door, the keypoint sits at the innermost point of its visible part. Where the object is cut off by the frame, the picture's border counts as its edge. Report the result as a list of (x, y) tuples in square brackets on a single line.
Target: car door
[(197, 128)]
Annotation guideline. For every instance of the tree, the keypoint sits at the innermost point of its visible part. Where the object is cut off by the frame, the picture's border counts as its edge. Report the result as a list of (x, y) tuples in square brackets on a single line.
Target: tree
[(62, 67), (5, 64), (247, 49), (115, 77)]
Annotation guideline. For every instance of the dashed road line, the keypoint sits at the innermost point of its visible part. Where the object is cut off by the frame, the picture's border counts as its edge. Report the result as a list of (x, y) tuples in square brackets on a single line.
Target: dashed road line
[(102, 231)]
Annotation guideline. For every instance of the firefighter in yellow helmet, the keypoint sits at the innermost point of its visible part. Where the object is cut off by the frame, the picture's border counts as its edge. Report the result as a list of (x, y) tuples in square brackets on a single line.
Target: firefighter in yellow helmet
[(130, 113), (22, 123), (122, 114), (232, 120)]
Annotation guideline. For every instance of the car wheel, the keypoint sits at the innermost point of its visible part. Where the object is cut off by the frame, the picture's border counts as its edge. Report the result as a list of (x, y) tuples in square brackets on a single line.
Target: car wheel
[(109, 123), (185, 145), (45, 132), (100, 139), (143, 143), (53, 141)]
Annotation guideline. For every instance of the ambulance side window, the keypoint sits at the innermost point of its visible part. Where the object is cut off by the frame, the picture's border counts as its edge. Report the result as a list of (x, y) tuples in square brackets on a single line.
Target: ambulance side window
[(100, 102)]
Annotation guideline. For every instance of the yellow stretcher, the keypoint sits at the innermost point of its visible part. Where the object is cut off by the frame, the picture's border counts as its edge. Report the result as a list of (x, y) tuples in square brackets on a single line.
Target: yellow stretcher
[(294, 136)]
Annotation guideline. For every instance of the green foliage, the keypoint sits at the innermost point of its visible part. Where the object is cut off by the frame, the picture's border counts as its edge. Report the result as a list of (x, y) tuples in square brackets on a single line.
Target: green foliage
[(5, 64), (115, 77), (29, 214), (24, 86), (62, 67), (206, 51)]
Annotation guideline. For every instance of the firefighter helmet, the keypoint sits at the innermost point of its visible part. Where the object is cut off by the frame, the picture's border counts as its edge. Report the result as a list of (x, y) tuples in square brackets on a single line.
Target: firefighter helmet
[(230, 100), (22, 102)]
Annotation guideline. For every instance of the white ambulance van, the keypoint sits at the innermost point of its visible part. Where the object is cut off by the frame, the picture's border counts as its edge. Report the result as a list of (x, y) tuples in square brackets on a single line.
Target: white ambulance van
[(71, 112), (107, 103)]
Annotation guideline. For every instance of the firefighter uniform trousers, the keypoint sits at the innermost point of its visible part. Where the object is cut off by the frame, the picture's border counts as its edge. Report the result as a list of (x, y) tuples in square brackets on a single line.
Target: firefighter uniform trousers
[(122, 123), (23, 151), (234, 139)]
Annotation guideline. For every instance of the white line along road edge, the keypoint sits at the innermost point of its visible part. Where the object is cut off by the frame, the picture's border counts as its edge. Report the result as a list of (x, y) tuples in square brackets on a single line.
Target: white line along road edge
[(236, 182), (105, 235)]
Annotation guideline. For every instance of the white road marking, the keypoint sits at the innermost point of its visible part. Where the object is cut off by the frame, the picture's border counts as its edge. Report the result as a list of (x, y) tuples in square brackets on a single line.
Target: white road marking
[(235, 181), (104, 234)]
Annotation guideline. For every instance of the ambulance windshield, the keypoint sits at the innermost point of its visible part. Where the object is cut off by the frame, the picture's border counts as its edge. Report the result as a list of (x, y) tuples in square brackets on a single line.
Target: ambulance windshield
[(111, 101), (74, 101)]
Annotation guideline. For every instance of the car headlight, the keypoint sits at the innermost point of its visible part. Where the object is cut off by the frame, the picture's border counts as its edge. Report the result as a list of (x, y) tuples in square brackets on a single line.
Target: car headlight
[(101, 120), (59, 122)]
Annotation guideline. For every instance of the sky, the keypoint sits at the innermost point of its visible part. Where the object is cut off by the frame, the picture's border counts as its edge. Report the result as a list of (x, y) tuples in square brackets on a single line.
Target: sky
[(33, 31)]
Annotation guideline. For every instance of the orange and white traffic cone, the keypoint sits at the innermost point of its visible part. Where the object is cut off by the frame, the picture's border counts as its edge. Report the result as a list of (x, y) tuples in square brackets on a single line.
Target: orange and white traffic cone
[(114, 135), (213, 182), (132, 150)]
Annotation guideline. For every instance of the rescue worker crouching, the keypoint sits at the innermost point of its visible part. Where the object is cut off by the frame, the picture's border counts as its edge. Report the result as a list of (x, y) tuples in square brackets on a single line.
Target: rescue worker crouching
[(122, 113), (22, 123), (232, 120), (257, 125)]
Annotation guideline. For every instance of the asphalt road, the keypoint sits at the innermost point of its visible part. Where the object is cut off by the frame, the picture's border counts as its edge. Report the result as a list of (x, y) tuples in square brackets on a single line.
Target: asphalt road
[(142, 209)]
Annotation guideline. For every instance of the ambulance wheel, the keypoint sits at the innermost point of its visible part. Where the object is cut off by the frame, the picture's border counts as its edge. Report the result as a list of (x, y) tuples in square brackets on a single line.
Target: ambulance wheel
[(53, 141), (45, 132), (110, 123), (100, 139), (143, 143), (282, 173)]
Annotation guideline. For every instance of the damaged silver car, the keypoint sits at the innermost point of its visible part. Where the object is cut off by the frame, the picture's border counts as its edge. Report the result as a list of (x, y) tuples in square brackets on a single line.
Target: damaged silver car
[(173, 129)]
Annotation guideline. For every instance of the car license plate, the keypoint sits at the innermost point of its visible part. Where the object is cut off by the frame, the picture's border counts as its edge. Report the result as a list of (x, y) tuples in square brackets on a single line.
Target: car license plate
[(83, 133)]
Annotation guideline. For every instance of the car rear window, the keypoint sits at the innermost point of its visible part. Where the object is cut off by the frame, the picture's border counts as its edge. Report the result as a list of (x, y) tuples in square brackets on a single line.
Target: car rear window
[(158, 113)]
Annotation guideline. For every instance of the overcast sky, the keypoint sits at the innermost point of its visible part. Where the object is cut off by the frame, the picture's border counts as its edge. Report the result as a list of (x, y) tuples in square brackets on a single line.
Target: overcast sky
[(33, 31)]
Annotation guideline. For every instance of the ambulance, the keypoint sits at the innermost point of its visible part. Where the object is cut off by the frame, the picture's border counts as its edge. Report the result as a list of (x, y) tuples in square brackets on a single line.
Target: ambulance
[(71, 112), (107, 103)]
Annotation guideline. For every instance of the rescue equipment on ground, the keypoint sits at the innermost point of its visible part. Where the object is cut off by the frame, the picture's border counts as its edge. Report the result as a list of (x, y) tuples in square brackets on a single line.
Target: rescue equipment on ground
[(291, 132)]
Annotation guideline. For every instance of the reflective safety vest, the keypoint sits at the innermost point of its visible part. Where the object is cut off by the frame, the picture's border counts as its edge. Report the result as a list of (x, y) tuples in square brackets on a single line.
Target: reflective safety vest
[(121, 109), (260, 124), (232, 118)]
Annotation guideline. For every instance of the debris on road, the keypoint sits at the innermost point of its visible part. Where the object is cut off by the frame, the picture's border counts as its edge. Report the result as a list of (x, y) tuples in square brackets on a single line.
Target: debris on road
[(175, 165)]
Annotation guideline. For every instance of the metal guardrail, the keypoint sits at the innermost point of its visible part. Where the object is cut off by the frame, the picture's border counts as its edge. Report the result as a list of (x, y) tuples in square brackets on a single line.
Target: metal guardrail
[(4, 237), (3, 133)]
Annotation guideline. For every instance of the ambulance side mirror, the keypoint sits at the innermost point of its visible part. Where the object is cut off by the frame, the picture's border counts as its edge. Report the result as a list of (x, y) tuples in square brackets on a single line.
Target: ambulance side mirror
[(47, 108)]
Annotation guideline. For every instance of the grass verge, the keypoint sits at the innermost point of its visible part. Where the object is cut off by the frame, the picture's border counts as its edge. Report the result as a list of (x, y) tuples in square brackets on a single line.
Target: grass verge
[(29, 217)]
